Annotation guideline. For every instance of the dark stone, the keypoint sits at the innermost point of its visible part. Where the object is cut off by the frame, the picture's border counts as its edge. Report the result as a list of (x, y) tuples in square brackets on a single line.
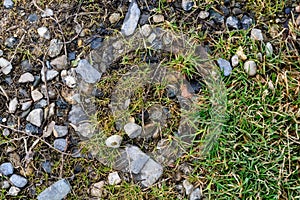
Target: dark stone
[(288, 10), (26, 66), (216, 17), (144, 19), (96, 43), (225, 11), (47, 166), (71, 56), (11, 42), (246, 22), (237, 11), (30, 128), (32, 18), (196, 85), (232, 22), (61, 104)]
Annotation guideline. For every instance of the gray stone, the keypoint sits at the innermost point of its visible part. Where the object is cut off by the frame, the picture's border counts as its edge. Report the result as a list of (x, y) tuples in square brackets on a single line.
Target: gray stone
[(11, 42), (256, 34), (131, 19), (237, 11), (50, 74), (1, 52), (8, 4), (87, 72), (26, 105), (55, 47), (35, 117), (114, 178), (60, 62), (57, 191), (224, 66), (5, 66), (146, 30), (138, 159), (133, 130), (97, 189), (269, 49), (41, 104), (114, 18), (259, 57), (250, 67), (203, 14), (18, 181), (158, 18), (232, 22), (44, 32), (196, 194), (216, 17), (6, 132), (60, 131), (114, 141), (4, 184), (86, 130), (77, 114), (13, 191), (246, 22), (36, 95), (26, 77), (234, 60), (6, 169), (60, 144), (47, 13), (12, 106), (188, 187), (26, 66), (47, 166), (32, 18), (150, 173), (187, 5), (70, 81)]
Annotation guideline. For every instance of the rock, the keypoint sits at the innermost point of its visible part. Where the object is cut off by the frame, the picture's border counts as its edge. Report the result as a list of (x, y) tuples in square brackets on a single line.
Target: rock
[(232, 22), (114, 18), (144, 19), (237, 11), (71, 56), (6, 132), (29, 128), (60, 144), (44, 32), (36, 95), (48, 129), (224, 66), (4, 184), (216, 17), (32, 18), (87, 72), (259, 57), (188, 187), (60, 131), (97, 189), (187, 5), (246, 22), (8, 4), (256, 34), (5, 66), (41, 104), (47, 166), (86, 130), (196, 194), (12, 106), (269, 49), (234, 60), (203, 14), (114, 141), (26, 105), (35, 117), (1, 52), (240, 53), (18, 181), (11, 42), (132, 130), (138, 159), (77, 114), (250, 68), (114, 178), (47, 13), (60, 62), (158, 18), (150, 130), (70, 81), (26, 66), (96, 43), (50, 74), (297, 9), (150, 173), (55, 47), (131, 19), (13, 191), (26, 77), (6, 169), (57, 191)]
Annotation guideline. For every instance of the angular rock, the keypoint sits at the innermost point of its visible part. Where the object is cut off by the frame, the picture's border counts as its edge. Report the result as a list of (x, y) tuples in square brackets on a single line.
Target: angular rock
[(13, 191), (246, 22), (269, 49), (196, 194), (4, 184), (150, 173), (60, 131), (47, 13), (87, 72), (44, 32), (8, 4), (133, 130), (114, 141), (26, 77), (97, 189), (224, 66), (77, 114), (256, 34), (187, 5), (50, 74), (12, 106), (57, 191), (35, 117), (131, 19), (70, 81), (232, 22), (86, 130), (32, 18), (240, 53), (188, 187), (250, 67), (234, 60), (114, 18), (158, 18), (36, 95), (55, 47), (47, 166), (114, 178), (60, 144), (60, 62), (18, 181), (6, 169), (203, 14), (5, 66)]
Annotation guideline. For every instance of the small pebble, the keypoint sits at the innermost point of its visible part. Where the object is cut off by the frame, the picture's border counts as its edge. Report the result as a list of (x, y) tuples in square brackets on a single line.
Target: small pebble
[(256, 34), (50, 74), (26, 105), (12, 106), (187, 186), (132, 130), (114, 141), (203, 14), (297, 9), (250, 67), (70, 81), (36, 95), (4, 184), (35, 117), (60, 144), (232, 22), (18, 181), (96, 43), (158, 18), (44, 32), (240, 53), (47, 166), (196, 194), (25, 78), (246, 22), (259, 57), (6, 169), (60, 131), (47, 13), (216, 17), (5, 66), (114, 178), (11, 42), (55, 48), (57, 191), (187, 5), (114, 18), (13, 191), (1, 53), (32, 18), (60, 63), (269, 49), (237, 11), (234, 60), (97, 189), (8, 4), (6, 132), (224, 66)]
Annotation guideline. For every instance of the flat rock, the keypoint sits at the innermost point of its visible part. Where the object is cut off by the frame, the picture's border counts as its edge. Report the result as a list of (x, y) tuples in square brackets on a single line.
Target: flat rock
[(250, 67), (57, 191), (18, 181), (55, 48), (60, 144), (60, 131), (114, 178), (44, 32), (97, 189), (158, 18), (150, 173), (50, 74), (224, 66), (36, 95), (131, 19), (5, 66), (13, 191), (12, 106), (133, 130), (6, 169), (114, 141), (256, 34), (26, 77), (60, 62), (35, 117), (87, 72)]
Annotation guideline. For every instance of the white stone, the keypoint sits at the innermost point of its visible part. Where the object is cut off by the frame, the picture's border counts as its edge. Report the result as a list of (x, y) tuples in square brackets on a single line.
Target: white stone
[(203, 14), (35, 117), (187, 186), (250, 68), (5, 66), (114, 178), (269, 49), (47, 13), (97, 189), (50, 74), (114, 141), (256, 34), (12, 107), (44, 32), (25, 105), (70, 81), (234, 61), (13, 191), (26, 77), (36, 95)]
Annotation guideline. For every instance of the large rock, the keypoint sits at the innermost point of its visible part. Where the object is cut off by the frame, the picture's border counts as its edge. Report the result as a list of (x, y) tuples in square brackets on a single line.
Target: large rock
[(87, 72), (56, 191)]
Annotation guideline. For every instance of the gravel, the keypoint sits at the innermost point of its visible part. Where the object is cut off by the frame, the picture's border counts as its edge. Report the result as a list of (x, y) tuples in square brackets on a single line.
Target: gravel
[(6, 169), (114, 141), (18, 181), (131, 19), (250, 67), (114, 178), (35, 117), (256, 34), (224, 66), (56, 191), (5, 66)]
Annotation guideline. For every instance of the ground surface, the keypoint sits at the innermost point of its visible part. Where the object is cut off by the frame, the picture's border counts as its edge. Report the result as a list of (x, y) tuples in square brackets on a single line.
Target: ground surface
[(257, 156)]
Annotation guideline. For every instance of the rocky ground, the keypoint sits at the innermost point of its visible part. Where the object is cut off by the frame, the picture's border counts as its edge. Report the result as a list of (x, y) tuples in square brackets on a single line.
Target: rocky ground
[(120, 99)]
